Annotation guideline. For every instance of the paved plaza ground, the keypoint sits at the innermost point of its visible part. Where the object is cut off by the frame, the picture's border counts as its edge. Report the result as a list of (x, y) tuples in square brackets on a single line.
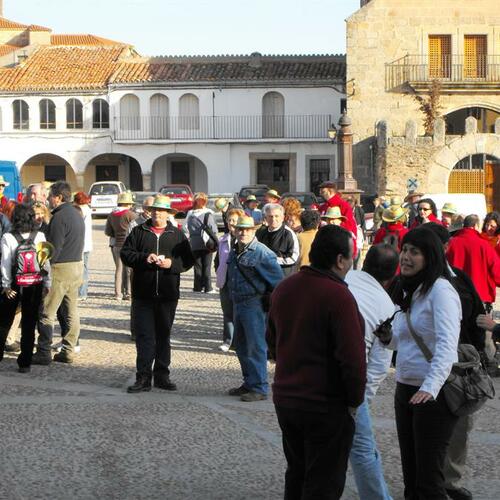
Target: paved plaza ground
[(72, 432)]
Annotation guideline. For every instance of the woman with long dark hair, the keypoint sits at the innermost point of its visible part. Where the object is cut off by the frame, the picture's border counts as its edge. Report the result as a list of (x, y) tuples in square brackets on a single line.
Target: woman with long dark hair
[(491, 230), (29, 296), (427, 212), (430, 306)]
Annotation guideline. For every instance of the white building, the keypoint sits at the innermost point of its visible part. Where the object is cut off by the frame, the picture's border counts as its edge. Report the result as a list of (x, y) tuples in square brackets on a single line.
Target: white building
[(83, 108)]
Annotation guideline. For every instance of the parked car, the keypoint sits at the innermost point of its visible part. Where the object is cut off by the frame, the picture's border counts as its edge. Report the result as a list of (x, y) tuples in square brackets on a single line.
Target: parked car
[(10, 173), (258, 190), (139, 197), (308, 199), (181, 197), (104, 196), (211, 204)]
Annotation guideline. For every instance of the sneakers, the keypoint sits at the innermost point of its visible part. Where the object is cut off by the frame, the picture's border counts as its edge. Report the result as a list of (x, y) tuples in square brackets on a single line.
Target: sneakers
[(225, 347), (14, 347), (59, 346), (64, 357), (238, 391), (252, 396), (41, 358), (142, 384), (212, 291), (164, 383)]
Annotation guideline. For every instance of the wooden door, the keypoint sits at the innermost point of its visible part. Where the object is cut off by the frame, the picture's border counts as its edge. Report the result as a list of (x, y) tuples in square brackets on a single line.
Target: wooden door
[(492, 185), (439, 56), (180, 172), (475, 50)]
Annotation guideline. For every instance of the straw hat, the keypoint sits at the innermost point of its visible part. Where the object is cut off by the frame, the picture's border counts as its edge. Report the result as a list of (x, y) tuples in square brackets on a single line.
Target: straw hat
[(395, 200), (251, 197), (333, 213), (413, 194), (3, 181), (44, 252), (125, 198), (272, 193), (449, 208), (220, 203), (162, 202), (246, 222), (394, 213)]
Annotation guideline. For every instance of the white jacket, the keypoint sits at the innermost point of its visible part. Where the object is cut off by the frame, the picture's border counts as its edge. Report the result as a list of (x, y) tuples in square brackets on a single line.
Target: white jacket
[(87, 219), (9, 245), (435, 317)]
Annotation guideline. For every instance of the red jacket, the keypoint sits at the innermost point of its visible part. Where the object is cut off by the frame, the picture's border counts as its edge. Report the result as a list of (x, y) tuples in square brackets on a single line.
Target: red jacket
[(345, 210), (396, 228), (473, 255), (3, 202), (317, 339), (432, 218)]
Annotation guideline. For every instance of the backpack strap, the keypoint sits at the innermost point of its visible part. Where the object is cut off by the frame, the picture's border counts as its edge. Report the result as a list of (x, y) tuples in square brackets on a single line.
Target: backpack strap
[(18, 237), (418, 340)]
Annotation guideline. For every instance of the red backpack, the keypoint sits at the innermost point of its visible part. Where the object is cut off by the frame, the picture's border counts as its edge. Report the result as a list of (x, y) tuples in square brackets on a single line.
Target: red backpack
[(26, 269)]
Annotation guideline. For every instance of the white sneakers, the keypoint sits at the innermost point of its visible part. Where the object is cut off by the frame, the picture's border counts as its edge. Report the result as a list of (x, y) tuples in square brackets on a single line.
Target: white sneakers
[(225, 347), (58, 348)]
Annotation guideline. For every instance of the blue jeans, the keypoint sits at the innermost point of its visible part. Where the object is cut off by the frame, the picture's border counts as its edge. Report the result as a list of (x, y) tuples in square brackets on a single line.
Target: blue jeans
[(250, 343), (82, 291), (365, 459), (227, 315)]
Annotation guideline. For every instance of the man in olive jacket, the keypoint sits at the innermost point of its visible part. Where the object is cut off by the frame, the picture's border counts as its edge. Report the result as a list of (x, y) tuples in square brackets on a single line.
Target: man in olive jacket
[(157, 252)]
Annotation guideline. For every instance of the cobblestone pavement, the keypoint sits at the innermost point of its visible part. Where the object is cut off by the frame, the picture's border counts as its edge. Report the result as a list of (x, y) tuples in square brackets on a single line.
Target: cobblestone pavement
[(73, 432)]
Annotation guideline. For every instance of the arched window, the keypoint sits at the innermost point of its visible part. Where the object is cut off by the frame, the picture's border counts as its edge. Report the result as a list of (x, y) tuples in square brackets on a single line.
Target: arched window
[(129, 112), (47, 114), (189, 112), (455, 121), (74, 114), (273, 115), (100, 114), (158, 112), (21, 115)]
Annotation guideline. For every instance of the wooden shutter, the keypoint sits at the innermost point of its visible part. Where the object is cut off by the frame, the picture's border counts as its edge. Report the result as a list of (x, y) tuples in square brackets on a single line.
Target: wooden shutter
[(439, 56), (475, 49)]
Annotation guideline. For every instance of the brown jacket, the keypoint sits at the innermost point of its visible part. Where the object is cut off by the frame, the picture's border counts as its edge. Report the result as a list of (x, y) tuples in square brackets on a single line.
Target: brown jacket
[(117, 225), (305, 241)]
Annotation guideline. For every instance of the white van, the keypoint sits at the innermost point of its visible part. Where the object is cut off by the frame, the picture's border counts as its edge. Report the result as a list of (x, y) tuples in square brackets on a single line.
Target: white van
[(466, 203), (104, 196)]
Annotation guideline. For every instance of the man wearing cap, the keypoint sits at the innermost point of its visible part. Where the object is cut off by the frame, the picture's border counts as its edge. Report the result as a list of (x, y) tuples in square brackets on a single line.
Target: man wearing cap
[(251, 209), (117, 226), (3, 198), (448, 211), (279, 238), (272, 196), (393, 229), (328, 190), (157, 252), (411, 203), (252, 272)]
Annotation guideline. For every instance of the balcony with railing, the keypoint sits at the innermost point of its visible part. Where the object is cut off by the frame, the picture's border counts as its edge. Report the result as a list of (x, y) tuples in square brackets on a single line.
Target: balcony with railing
[(476, 72), (217, 128)]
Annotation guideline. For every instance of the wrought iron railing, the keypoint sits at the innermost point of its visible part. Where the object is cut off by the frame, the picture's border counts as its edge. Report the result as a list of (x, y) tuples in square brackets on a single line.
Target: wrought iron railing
[(458, 69), (221, 127)]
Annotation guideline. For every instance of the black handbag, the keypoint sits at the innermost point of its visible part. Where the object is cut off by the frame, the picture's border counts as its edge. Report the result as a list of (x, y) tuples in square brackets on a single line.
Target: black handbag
[(209, 238), (468, 386)]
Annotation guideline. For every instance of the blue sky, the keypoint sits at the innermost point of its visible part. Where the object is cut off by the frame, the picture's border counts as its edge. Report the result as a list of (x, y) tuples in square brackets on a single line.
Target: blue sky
[(168, 27)]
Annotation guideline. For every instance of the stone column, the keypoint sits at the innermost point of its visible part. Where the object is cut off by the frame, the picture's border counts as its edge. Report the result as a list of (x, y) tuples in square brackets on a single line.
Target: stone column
[(80, 181), (345, 181), (146, 182)]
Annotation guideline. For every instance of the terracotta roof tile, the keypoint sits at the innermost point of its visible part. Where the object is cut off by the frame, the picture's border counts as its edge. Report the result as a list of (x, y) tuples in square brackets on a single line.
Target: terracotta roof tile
[(7, 49), (81, 40), (63, 68), (244, 68), (7, 24)]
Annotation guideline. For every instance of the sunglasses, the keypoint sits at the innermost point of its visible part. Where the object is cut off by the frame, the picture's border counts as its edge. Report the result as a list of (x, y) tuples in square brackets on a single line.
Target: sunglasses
[(424, 209)]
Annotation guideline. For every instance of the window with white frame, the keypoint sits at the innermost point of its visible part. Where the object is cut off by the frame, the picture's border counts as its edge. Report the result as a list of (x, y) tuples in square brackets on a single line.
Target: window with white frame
[(21, 115), (100, 114), (129, 112), (189, 112), (74, 114), (47, 114), (273, 115), (158, 115)]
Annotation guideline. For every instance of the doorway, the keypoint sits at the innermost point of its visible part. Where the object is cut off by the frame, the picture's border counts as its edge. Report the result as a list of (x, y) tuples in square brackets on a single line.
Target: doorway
[(105, 173), (180, 172), (275, 173)]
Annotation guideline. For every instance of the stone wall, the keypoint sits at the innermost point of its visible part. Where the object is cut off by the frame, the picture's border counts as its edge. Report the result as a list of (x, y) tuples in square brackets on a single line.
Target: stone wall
[(383, 31)]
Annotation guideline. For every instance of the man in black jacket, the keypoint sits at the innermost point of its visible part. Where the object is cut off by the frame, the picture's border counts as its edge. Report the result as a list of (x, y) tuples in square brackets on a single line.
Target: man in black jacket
[(279, 238), (157, 252), (66, 233)]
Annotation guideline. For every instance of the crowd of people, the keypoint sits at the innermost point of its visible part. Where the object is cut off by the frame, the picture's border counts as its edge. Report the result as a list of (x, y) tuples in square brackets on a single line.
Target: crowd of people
[(296, 288)]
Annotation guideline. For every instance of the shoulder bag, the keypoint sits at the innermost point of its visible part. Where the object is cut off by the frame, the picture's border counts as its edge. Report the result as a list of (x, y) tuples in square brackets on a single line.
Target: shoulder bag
[(469, 386), (209, 238)]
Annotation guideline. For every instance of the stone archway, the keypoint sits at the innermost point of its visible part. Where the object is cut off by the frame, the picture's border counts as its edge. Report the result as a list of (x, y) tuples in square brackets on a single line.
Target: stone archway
[(447, 157), (114, 167), (179, 168), (47, 167)]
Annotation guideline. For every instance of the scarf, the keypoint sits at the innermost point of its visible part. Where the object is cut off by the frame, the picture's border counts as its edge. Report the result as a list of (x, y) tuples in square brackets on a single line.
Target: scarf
[(406, 287)]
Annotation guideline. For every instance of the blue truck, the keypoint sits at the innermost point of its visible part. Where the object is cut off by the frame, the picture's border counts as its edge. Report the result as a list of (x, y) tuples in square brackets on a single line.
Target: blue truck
[(9, 171)]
